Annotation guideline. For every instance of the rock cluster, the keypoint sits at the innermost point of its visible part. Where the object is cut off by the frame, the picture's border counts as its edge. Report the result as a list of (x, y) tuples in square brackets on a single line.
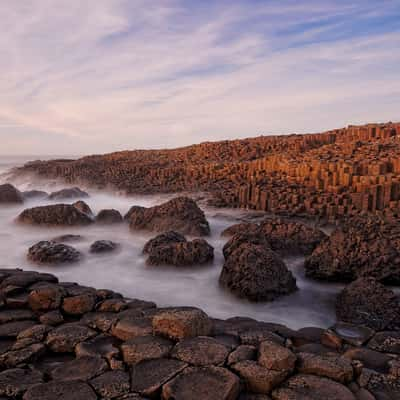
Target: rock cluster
[(180, 214), (363, 247), (172, 248), (67, 194), (332, 175), (66, 341), (252, 270)]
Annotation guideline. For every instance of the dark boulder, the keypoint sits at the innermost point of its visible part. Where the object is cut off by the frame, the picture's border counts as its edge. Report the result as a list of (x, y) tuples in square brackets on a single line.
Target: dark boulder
[(45, 252), (10, 195), (54, 215), (83, 208), (256, 273), (182, 254), (69, 193), (110, 216), (364, 247), (103, 246), (163, 239), (83, 368), (180, 214), (14, 382), (367, 302)]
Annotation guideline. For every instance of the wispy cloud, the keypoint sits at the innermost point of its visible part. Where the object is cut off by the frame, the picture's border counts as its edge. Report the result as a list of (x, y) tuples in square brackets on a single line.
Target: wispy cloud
[(115, 74)]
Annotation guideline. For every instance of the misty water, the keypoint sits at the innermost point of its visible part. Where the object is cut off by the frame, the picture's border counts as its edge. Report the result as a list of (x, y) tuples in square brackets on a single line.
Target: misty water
[(125, 271)]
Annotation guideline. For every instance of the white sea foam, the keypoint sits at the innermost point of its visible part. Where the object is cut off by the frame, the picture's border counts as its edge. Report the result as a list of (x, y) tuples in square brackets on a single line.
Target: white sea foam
[(126, 271)]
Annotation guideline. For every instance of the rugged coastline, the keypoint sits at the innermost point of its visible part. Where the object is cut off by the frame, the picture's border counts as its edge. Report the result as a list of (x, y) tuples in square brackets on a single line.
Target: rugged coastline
[(66, 341)]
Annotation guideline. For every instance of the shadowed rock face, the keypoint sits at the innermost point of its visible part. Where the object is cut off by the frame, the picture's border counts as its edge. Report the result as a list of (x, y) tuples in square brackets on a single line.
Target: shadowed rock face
[(9, 194), (367, 302), (71, 342), (54, 215), (364, 247), (109, 217), (166, 238), (103, 246), (180, 214), (256, 273)]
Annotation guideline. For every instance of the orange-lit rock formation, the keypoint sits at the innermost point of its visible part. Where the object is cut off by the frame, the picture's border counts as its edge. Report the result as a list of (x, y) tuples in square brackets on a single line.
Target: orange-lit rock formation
[(338, 173)]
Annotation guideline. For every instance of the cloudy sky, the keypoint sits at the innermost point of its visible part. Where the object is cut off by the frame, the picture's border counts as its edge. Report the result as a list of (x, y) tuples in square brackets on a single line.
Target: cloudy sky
[(89, 76)]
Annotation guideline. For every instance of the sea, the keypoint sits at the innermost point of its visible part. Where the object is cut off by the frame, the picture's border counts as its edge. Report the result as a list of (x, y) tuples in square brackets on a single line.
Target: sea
[(126, 271)]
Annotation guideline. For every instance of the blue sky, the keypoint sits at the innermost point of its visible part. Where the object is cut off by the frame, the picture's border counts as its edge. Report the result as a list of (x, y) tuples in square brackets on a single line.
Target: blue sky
[(90, 76)]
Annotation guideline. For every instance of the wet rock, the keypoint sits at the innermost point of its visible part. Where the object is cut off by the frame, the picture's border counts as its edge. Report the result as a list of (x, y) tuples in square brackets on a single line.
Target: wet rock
[(13, 329), (257, 378), (111, 384), (15, 315), (131, 327), (34, 194), (14, 382), (64, 338), (67, 238), (103, 321), (147, 377), (369, 303), (355, 335), (307, 335), (52, 318), (201, 351), (332, 340), (364, 247), (182, 323), (182, 254), (23, 279), (180, 214), (103, 246), (388, 342), (78, 305), (82, 369), (312, 387), (45, 298), (59, 390), (257, 274), (54, 215), (145, 348), (336, 368), (69, 193), (371, 359), (45, 252), (242, 353), (109, 217), (10, 195), (27, 354), (36, 332), (83, 208), (138, 304), (100, 346), (166, 238), (382, 386), (204, 383), (112, 305), (276, 357)]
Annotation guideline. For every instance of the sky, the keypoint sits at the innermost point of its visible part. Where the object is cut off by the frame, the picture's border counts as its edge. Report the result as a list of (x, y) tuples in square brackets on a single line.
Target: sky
[(95, 76)]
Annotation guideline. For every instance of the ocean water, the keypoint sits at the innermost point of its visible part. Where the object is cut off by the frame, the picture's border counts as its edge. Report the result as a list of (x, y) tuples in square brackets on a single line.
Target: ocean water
[(126, 271)]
